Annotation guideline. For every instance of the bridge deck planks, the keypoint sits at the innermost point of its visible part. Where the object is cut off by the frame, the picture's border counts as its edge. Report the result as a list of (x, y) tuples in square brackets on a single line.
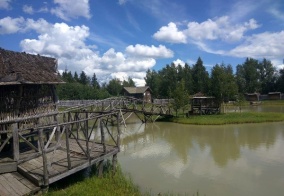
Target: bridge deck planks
[(15, 184), (58, 164)]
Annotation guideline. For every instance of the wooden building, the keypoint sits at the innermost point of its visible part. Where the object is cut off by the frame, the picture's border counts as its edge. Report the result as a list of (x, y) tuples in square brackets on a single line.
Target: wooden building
[(27, 84), (201, 104), (274, 95), (252, 96), (143, 93)]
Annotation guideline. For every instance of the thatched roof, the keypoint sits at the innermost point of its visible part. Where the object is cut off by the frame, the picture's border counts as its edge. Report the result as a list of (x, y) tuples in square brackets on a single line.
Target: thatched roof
[(23, 68), (137, 90)]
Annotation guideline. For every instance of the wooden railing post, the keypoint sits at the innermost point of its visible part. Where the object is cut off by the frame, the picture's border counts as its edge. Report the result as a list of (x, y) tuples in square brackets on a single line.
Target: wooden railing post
[(16, 142), (118, 131), (103, 135), (44, 157), (68, 127)]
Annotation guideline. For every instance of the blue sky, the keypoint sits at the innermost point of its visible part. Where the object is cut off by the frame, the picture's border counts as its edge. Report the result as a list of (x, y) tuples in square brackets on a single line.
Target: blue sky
[(124, 38)]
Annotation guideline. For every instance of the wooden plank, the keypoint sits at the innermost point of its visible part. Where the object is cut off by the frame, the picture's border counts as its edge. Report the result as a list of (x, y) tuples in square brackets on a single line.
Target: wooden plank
[(3, 190), (16, 185), (7, 186), (8, 167)]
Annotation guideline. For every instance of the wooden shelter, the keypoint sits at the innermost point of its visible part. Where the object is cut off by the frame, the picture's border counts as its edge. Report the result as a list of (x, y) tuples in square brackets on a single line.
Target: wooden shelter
[(27, 89), (26, 84), (143, 93), (274, 95), (252, 96), (201, 104)]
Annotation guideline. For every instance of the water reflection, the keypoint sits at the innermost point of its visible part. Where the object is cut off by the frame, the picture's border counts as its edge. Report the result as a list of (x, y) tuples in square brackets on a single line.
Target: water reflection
[(217, 160)]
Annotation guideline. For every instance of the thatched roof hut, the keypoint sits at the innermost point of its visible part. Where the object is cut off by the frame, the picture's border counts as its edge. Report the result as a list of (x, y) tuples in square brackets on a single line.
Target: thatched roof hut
[(26, 84)]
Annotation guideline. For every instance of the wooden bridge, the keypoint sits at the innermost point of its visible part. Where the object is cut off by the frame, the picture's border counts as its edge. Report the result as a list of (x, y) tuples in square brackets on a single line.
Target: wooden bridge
[(38, 150)]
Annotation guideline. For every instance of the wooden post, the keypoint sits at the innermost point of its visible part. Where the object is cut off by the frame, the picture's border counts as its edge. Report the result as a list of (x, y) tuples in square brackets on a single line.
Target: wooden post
[(87, 137), (101, 168), (16, 142), (114, 163), (118, 131), (67, 141), (103, 135), (44, 158)]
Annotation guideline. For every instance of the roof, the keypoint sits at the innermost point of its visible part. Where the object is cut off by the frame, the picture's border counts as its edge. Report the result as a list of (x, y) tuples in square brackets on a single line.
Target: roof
[(23, 68), (136, 90)]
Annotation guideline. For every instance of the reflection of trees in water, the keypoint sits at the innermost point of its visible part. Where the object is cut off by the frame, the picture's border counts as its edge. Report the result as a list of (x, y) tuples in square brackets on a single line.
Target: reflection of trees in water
[(224, 142)]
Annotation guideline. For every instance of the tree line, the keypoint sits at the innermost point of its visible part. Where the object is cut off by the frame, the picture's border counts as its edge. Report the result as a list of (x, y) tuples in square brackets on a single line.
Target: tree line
[(80, 86), (250, 77), (178, 82)]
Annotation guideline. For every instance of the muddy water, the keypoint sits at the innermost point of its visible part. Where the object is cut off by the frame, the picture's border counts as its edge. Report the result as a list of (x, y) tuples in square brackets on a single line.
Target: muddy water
[(211, 160)]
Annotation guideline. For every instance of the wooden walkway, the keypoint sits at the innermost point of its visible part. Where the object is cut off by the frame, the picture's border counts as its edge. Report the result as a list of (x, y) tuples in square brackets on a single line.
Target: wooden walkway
[(39, 150), (58, 167), (15, 184)]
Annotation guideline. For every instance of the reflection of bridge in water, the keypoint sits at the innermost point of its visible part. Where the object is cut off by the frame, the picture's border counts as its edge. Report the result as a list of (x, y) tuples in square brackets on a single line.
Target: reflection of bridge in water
[(38, 150)]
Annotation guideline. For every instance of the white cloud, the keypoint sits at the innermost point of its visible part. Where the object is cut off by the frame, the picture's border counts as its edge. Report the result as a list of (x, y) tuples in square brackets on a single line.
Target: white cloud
[(219, 28), (170, 34), (28, 9), (5, 4), (147, 51), (261, 45), (276, 13), (67, 10), (10, 25), (179, 62), (121, 2), (67, 44)]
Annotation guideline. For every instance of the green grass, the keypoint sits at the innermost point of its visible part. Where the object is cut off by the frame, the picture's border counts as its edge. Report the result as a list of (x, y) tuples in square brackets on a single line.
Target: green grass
[(229, 118), (109, 185)]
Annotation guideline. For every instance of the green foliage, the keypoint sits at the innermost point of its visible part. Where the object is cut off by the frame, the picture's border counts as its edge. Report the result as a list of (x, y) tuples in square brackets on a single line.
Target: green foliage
[(224, 86), (231, 118), (180, 96), (114, 87), (108, 185), (200, 77)]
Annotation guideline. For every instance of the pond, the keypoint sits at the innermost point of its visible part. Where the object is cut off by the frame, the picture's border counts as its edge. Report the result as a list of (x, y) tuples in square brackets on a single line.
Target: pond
[(245, 159)]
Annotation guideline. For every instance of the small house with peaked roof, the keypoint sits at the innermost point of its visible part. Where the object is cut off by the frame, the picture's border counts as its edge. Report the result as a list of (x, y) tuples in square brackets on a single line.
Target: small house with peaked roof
[(139, 93), (274, 95), (252, 96), (27, 84)]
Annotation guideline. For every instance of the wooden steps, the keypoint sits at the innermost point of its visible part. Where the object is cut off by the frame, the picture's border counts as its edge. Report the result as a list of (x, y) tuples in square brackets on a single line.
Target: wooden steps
[(7, 165), (15, 184)]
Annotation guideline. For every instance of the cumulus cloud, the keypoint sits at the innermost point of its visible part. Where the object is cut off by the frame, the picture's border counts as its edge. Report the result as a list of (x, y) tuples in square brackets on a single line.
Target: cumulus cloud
[(67, 10), (219, 28), (68, 45), (170, 34), (149, 51), (179, 62), (261, 45), (10, 25), (5, 4), (28, 9)]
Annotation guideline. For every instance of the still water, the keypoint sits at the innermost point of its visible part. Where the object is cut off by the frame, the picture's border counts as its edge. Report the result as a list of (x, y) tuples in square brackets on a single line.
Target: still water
[(226, 160)]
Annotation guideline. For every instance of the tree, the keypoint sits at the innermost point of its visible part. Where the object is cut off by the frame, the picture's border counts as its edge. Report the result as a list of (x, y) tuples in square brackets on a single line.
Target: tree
[(180, 96), (200, 77), (267, 76), (223, 83), (94, 82), (280, 80), (152, 79), (76, 78), (248, 76), (114, 87), (128, 83), (83, 79)]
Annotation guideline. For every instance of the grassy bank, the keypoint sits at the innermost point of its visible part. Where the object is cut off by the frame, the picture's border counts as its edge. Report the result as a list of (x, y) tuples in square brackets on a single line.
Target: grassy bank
[(229, 118), (108, 185)]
